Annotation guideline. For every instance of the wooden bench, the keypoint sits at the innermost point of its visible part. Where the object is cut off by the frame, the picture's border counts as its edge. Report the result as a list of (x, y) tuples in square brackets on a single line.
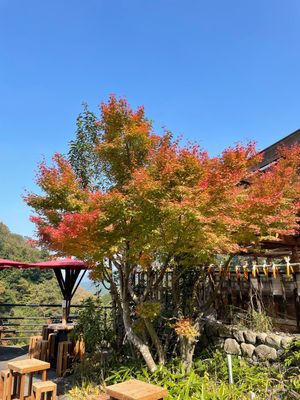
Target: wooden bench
[(136, 390)]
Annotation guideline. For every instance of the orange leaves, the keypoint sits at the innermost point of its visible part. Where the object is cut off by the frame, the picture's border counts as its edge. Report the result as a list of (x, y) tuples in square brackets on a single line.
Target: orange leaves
[(240, 157), (126, 140), (74, 225), (60, 174), (185, 328), (145, 260), (61, 188)]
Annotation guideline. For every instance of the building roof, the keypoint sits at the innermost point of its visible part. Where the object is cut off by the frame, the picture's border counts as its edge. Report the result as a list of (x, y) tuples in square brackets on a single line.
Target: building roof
[(270, 153)]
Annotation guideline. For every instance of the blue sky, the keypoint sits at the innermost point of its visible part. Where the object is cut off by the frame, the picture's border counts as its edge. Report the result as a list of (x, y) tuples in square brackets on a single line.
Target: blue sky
[(215, 71)]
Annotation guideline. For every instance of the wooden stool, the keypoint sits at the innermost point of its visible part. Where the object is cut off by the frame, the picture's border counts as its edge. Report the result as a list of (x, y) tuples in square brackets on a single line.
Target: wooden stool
[(4, 376), (51, 348), (136, 390), (40, 388), (63, 357), (46, 332), (44, 350), (4, 381)]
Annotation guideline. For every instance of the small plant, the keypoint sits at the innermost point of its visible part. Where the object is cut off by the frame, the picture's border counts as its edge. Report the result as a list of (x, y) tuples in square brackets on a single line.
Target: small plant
[(91, 369), (259, 321), (251, 319), (86, 391), (292, 355)]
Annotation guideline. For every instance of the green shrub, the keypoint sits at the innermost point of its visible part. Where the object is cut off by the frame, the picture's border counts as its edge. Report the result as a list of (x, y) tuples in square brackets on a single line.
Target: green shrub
[(94, 326), (291, 362)]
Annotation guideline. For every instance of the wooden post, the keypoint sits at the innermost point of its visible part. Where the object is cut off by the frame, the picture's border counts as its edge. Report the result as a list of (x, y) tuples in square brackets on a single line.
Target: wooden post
[(68, 286), (64, 313)]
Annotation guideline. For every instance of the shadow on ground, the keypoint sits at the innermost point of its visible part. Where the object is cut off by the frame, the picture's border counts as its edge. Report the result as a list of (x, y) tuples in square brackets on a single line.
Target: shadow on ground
[(10, 352)]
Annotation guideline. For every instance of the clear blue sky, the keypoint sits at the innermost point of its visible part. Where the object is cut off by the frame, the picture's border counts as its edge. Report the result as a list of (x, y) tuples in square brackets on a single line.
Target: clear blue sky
[(216, 71)]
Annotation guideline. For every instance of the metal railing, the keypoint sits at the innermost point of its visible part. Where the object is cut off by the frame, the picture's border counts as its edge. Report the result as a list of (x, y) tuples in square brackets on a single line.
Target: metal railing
[(18, 329)]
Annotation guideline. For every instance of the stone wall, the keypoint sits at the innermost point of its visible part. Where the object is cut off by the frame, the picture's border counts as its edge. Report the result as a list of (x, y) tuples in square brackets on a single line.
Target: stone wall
[(258, 346)]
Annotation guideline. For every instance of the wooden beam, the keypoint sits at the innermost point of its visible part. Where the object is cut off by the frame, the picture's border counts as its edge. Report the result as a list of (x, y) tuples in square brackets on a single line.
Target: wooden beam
[(78, 283), (60, 280)]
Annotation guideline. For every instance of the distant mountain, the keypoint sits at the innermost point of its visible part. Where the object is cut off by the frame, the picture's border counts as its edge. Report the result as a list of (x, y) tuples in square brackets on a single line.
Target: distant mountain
[(16, 247), (90, 286)]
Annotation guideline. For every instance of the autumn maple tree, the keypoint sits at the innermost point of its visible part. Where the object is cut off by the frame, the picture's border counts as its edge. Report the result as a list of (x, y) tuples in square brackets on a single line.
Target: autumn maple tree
[(154, 204)]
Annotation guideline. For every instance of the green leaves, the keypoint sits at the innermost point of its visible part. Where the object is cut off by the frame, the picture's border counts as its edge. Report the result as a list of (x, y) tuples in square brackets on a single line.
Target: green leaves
[(82, 155), (92, 324)]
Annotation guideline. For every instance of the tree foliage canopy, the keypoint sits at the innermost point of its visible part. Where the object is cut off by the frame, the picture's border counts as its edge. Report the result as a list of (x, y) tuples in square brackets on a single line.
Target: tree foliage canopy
[(160, 199)]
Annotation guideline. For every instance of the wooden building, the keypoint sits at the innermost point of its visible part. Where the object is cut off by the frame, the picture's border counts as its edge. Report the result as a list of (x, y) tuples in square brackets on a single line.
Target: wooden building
[(277, 275)]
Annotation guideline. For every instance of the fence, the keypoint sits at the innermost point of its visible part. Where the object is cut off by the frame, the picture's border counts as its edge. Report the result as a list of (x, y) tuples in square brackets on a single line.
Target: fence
[(277, 289)]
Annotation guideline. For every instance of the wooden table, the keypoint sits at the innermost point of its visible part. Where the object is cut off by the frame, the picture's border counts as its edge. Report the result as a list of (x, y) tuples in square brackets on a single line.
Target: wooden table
[(61, 331), (136, 390), (61, 327), (23, 367)]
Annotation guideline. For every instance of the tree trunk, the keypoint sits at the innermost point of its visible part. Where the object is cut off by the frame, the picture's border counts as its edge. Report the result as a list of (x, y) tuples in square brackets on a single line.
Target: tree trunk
[(156, 341), (187, 352), (135, 340)]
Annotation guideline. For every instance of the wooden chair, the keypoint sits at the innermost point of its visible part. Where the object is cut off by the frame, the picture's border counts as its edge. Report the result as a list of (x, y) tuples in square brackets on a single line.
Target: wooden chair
[(35, 346), (46, 332), (40, 388)]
